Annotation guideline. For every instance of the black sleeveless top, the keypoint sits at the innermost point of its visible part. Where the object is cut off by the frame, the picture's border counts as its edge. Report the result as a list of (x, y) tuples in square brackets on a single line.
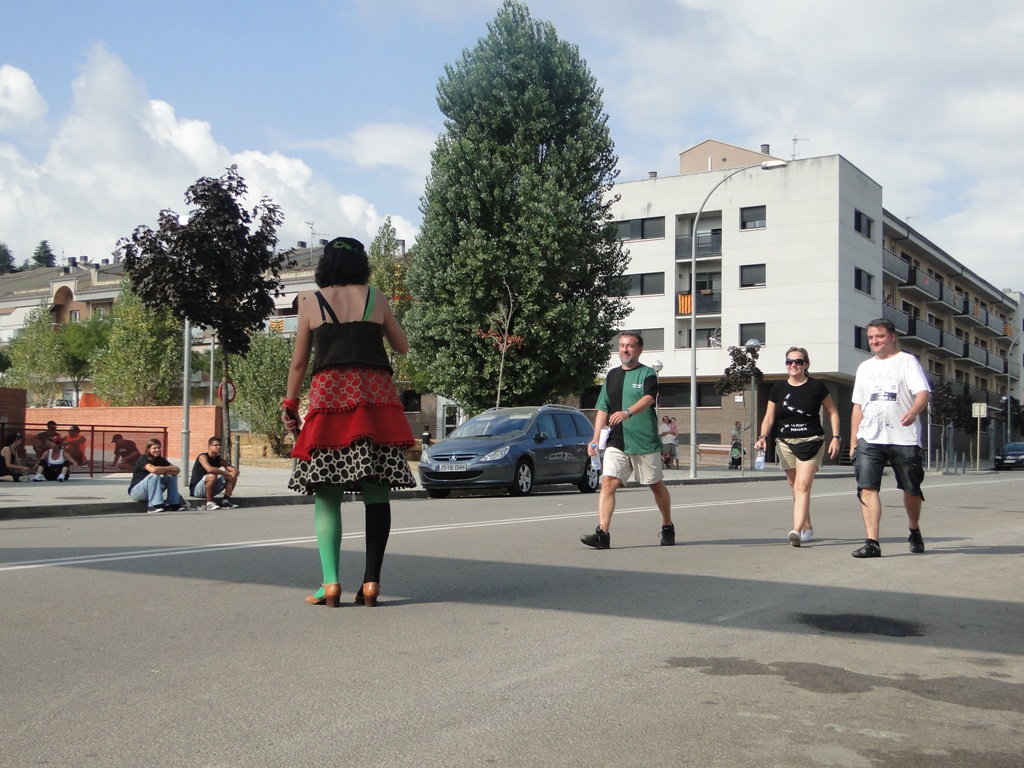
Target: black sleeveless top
[(359, 342)]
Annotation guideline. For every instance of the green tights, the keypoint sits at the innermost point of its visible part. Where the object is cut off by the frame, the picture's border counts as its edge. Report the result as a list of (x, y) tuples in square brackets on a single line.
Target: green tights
[(327, 518)]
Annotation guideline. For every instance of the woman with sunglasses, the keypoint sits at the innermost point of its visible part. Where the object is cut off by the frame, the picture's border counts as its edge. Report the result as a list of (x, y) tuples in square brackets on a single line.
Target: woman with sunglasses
[(794, 409), (55, 464)]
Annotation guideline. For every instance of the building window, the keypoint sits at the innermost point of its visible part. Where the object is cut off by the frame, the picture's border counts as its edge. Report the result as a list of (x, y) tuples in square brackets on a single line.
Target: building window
[(646, 284), (753, 217), (752, 275), (677, 395), (74, 315), (410, 401), (862, 224), (862, 280), (750, 331), (641, 229), (860, 338), (937, 321), (99, 312), (654, 338)]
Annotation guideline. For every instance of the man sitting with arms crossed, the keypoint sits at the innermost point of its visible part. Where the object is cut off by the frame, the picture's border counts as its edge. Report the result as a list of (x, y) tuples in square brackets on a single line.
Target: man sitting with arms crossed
[(213, 474), (152, 476)]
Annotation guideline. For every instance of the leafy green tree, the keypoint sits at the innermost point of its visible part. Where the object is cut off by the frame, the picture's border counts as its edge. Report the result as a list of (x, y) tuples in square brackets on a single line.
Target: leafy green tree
[(36, 357), (388, 272), (259, 376), (79, 344), (5, 361), (214, 270), (517, 203), (43, 255), (142, 363), (6, 260)]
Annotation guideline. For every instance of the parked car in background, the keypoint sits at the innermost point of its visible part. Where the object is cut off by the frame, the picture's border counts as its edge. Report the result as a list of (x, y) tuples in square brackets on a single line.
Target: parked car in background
[(512, 448), (1009, 456)]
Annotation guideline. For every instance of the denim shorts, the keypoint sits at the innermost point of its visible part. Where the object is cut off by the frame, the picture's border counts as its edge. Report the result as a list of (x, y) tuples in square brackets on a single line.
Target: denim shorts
[(905, 460)]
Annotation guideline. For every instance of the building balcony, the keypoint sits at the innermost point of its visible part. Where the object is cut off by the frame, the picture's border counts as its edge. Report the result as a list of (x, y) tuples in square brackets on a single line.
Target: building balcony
[(973, 314), (284, 324), (1013, 369), (975, 354), (895, 266), (707, 338), (951, 345), (922, 285), (951, 299), (996, 363), (708, 303), (899, 318), (993, 326), (924, 331), (708, 244)]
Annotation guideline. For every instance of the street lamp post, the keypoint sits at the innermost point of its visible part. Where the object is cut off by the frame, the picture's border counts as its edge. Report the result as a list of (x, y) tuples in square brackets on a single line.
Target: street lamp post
[(767, 165), (752, 345), (1009, 394)]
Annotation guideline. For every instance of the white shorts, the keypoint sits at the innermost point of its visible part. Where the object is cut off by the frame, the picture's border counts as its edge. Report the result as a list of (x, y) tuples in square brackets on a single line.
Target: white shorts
[(621, 465)]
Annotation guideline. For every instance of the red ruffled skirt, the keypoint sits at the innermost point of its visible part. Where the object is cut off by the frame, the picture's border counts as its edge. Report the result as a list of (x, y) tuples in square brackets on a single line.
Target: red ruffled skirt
[(354, 432)]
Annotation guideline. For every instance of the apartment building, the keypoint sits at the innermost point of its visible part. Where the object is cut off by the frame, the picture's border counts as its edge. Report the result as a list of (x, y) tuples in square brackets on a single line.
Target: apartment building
[(800, 252)]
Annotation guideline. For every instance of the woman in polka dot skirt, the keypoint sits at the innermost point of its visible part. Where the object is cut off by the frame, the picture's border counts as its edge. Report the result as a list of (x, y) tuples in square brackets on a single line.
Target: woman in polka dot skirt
[(353, 435)]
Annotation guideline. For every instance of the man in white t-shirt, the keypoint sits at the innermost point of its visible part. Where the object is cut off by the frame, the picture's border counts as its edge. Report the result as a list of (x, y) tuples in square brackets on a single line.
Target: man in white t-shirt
[(889, 394)]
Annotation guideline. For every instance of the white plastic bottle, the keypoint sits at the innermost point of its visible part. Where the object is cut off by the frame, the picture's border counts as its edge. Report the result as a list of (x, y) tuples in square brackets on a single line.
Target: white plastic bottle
[(759, 459), (595, 460)]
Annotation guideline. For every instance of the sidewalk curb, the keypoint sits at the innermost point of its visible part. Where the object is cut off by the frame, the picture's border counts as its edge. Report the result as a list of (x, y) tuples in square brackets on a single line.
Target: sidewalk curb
[(129, 507)]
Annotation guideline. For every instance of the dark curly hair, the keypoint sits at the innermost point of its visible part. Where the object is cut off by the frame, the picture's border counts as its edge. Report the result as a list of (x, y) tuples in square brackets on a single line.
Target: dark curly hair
[(344, 263)]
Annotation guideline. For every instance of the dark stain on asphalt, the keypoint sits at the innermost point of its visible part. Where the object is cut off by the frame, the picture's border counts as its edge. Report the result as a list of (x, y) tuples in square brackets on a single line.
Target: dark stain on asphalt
[(956, 758), (860, 624), (983, 693)]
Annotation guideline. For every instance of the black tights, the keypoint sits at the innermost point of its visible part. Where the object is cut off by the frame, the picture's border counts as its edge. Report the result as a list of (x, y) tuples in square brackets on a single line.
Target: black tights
[(378, 529)]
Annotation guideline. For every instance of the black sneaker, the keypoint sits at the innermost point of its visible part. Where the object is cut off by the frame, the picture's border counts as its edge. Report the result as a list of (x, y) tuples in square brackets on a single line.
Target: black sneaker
[(871, 548), (152, 510), (916, 542), (668, 535), (598, 539), (227, 504)]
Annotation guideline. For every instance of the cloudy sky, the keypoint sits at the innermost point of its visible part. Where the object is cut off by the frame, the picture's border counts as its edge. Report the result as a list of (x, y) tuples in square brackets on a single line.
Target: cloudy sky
[(110, 110)]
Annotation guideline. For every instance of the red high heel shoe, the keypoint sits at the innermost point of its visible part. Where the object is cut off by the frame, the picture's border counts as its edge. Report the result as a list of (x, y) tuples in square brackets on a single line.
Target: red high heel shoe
[(331, 598), (368, 594)]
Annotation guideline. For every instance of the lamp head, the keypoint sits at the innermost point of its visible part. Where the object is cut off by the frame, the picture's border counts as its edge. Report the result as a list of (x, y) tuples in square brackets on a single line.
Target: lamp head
[(657, 365)]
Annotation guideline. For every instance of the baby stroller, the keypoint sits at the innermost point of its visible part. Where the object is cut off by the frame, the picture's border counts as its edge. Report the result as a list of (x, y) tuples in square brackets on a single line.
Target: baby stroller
[(736, 455)]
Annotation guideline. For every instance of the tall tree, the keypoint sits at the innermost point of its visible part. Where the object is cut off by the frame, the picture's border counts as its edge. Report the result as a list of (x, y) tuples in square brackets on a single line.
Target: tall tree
[(259, 375), (214, 270), (142, 361), (79, 344), (388, 272), (43, 255), (6, 260), (743, 368), (517, 204), (36, 357)]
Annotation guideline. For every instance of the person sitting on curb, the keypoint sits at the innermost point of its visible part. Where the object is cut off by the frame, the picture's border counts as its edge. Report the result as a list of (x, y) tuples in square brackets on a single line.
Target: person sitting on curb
[(153, 475), (126, 453), (11, 468), (213, 474), (55, 464), (41, 442)]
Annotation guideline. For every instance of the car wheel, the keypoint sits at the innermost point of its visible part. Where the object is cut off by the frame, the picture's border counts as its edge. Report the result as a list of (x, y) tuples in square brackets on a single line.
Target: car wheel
[(522, 480), (439, 493), (591, 479)]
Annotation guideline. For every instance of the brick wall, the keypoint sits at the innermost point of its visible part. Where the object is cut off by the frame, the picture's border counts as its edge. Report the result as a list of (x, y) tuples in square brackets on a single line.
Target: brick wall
[(12, 409), (204, 422)]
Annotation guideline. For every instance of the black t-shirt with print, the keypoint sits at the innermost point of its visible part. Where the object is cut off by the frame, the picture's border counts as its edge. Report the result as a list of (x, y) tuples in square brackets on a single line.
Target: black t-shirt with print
[(798, 409)]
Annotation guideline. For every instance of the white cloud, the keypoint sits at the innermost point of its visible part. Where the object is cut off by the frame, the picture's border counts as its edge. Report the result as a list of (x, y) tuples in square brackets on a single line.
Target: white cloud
[(118, 158), (22, 107)]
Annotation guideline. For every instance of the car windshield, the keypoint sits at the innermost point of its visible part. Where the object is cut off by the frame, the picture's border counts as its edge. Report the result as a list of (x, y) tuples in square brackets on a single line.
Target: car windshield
[(493, 425), (1015, 447)]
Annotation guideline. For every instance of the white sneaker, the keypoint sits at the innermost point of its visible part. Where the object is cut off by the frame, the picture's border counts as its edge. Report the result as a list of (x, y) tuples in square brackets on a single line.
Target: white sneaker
[(38, 479), (794, 538), (807, 535), (211, 505)]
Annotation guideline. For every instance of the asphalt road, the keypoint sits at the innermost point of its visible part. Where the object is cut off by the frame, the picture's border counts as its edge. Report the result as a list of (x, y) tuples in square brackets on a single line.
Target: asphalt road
[(183, 639)]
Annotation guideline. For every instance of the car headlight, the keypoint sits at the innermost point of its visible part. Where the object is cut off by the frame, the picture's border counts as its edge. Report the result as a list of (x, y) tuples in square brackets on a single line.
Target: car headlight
[(500, 453)]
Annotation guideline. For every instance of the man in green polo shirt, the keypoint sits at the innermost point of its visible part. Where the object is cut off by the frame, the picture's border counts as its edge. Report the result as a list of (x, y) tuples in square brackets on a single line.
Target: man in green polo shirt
[(626, 405)]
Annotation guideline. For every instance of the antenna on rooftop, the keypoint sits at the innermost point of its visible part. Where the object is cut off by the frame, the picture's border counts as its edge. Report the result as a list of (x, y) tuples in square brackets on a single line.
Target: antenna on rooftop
[(795, 140)]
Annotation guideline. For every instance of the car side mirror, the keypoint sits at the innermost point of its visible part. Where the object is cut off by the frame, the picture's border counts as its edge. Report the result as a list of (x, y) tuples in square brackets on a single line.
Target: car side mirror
[(540, 437)]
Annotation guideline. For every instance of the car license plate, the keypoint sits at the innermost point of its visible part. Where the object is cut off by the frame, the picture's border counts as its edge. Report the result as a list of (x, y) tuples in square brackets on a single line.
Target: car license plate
[(451, 467)]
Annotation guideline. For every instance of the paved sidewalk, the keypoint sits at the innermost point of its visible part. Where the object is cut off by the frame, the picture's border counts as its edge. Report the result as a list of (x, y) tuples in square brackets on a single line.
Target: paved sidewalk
[(261, 487)]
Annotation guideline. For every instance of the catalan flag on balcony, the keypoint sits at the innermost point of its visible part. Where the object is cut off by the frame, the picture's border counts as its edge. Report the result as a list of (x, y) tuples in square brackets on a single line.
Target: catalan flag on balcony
[(683, 300), (277, 325), (1007, 329)]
